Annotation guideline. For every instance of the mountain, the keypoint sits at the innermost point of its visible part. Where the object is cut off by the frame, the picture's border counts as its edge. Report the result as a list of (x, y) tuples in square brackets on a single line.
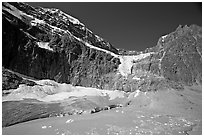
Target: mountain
[(50, 44), (46, 54)]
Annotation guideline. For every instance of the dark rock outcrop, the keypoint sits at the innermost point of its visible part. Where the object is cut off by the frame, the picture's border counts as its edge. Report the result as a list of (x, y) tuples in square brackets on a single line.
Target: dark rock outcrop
[(10, 80)]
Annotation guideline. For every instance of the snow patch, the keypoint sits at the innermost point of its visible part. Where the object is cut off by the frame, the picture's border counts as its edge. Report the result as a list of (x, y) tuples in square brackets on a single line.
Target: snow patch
[(69, 121), (64, 15), (36, 21), (137, 93), (44, 45), (136, 78), (44, 127), (97, 48), (163, 37), (99, 38), (71, 19)]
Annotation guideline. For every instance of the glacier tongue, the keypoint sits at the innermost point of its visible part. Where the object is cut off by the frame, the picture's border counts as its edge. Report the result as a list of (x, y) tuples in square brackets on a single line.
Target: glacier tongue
[(128, 61)]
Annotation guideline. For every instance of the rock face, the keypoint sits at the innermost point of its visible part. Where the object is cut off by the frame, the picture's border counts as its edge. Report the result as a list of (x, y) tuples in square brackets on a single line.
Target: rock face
[(177, 58), (36, 48), (11, 81), (50, 44)]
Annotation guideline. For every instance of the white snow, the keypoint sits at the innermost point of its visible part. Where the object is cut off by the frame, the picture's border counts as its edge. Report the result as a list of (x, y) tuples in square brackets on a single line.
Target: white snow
[(48, 91), (30, 36), (136, 78), (69, 121), (137, 93), (43, 127), (18, 13), (44, 45), (73, 20), (97, 48), (64, 15), (36, 21), (127, 62), (53, 10), (46, 82), (163, 37), (99, 38)]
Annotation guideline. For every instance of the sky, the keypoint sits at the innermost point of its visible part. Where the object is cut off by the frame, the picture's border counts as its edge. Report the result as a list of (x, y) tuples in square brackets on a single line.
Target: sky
[(131, 25)]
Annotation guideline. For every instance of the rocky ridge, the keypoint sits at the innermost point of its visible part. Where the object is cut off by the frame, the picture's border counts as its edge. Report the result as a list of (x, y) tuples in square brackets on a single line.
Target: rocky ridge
[(49, 44)]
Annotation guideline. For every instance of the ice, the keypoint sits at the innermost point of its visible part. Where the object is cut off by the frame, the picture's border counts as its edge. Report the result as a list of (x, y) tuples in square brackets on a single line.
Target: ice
[(48, 91), (170, 116), (128, 61), (46, 82)]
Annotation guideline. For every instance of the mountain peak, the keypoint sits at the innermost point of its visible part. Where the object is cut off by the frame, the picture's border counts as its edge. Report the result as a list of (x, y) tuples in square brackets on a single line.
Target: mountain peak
[(53, 21)]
